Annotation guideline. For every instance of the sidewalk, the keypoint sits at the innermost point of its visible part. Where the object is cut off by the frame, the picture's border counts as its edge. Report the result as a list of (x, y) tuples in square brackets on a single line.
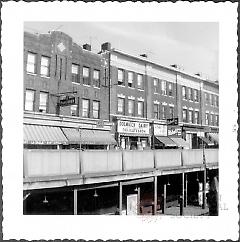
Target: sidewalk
[(187, 211)]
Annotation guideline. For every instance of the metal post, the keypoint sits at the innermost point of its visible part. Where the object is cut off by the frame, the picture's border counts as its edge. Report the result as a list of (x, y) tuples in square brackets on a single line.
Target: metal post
[(155, 195), (80, 136), (182, 196), (120, 198), (75, 201), (186, 193), (204, 180), (164, 198), (138, 200)]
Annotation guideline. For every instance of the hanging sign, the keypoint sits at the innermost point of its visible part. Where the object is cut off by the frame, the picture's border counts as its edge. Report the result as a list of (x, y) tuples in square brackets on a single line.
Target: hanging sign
[(131, 127), (160, 130), (174, 131), (132, 204), (67, 101)]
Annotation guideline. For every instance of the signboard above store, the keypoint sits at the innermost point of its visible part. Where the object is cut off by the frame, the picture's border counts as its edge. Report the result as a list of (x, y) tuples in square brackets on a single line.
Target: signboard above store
[(160, 130), (132, 127), (67, 101), (172, 121), (174, 131)]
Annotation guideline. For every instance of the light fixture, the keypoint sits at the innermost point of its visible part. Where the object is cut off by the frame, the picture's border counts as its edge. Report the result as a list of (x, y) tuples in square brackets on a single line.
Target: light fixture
[(168, 184), (136, 189), (95, 194), (45, 200), (197, 178)]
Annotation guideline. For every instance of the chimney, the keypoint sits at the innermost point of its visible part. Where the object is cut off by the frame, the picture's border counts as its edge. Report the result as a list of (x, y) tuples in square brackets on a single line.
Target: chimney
[(87, 47), (106, 46)]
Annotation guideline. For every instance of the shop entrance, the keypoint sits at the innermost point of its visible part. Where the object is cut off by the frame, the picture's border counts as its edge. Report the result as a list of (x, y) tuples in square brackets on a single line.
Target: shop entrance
[(134, 143)]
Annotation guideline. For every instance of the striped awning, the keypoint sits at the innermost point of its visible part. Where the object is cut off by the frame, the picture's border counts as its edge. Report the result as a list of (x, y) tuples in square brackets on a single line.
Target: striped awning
[(180, 142), (44, 135), (85, 136), (214, 137), (206, 140), (166, 141)]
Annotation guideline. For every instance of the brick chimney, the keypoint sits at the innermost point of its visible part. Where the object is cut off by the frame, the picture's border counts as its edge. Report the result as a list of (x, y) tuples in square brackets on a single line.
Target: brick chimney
[(87, 47), (106, 46)]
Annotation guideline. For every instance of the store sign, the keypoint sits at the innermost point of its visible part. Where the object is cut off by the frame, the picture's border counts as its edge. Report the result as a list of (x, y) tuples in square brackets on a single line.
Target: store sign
[(131, 127), (67, 101), (172, 121), (174, 131), (160, 130), (132, 204)]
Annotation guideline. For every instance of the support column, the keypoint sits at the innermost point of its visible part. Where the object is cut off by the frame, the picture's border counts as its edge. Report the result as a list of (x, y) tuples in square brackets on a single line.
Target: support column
[(164, 198), (204, 187), (120, 198), (186, 193), (138, 200), (182, 196), (75, 201), (155, 196)]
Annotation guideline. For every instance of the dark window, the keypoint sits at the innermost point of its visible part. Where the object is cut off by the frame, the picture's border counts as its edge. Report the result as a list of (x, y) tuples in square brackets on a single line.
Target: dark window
[(96, 109), (170, 89), (190, 116), (195, 95), (86, 76), (75, 73), (196, 117), (156, 111), (96, 78), (121, 105), (190, 94), (171, 112)]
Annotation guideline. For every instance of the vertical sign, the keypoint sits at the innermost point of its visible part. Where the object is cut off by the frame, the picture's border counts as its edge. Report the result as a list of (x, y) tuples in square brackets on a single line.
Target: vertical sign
[(132, 204)]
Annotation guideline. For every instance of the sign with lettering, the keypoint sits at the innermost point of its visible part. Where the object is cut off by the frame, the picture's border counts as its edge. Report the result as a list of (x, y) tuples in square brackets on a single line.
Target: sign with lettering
[(160, 130), (132, 127), (67, 101), (172, 121), (132, 204), (174, 131)]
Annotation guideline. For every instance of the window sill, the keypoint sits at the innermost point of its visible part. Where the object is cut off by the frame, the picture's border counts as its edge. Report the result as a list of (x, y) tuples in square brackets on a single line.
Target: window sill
[(86, 85), (141, 90), (76, 83), (96, 87), (31, 74), (47, 77), (121, 85)]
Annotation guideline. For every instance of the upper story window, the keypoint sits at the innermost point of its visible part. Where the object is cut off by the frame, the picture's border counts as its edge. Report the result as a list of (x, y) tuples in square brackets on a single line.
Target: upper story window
[(140, 81), (212, 99), (86, 76), (190, 94), (140, 109), (121, 77), (164, 111), (206, 118), (206, 98), (156, 85), (216, 120), (121, 105), (96, 109), (171, 112), (130, 107), (170, 89), (75, 73), (31, 63), (43, 102), (74, 109), (196, 117), (96, 78), (85, 108), (195, 93), (164, 87), (190, 116), (184, 115), (130, 79), (217, 101), (45, 66), (184, 93), (156, 111), (29, 100), (211, 119)]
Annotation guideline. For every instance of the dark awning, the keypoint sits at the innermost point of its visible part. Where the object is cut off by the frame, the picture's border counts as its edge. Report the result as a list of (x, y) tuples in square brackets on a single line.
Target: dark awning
[(214, 136), (206, 140), (44, 135), (180, 142), (166, 141), (85, 136)]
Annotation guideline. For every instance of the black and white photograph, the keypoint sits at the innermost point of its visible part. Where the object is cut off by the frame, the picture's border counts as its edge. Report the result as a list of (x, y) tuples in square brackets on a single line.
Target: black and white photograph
[(129, 119)]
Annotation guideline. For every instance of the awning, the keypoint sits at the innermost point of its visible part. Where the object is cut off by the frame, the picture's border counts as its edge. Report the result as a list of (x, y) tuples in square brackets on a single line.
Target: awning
[(97, 137), (214, 136), (180, 142), (44, 135), (206, 140), (166, 141)]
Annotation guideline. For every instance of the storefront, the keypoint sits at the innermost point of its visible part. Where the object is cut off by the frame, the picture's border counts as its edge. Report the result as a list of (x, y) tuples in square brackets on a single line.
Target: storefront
[(133, 135)]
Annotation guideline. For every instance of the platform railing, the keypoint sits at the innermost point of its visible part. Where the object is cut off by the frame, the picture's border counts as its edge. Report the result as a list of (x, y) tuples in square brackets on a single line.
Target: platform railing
[(42, 163)]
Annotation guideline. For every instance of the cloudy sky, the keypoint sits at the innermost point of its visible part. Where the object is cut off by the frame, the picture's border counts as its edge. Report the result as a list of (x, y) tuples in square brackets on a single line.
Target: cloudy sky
[(192, 45)]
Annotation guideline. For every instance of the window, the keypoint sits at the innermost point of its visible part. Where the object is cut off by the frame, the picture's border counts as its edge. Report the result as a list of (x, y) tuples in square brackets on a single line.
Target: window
[(164, 87), (211, 119), (96, 109), (130, 107), (217, 102), (170, 89), (216, 120), (31, 63), (212, 99), (190, 116), (184, 115), (196, 117), (29, 100), (190, 94), (121, 105), (130, 79), (207, 119), (155, 85), (156, 111), (43, 102), (121, 77), (75, 73), (45, 66), (96, 78), (195, 95), (140, 81), (74, 110), (164, 109), (140, 108), (206, 98), (85, 108), (86, 78), (171, 112), (184, 93)]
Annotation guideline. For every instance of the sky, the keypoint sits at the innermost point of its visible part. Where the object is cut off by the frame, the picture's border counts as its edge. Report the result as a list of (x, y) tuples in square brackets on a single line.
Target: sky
[(192, 45)]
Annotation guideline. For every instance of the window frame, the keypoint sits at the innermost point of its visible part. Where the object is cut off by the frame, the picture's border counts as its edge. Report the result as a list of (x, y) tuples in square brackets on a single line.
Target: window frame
[(43, 67), (46, 103), (71, 110), (96, 110), (86, 79), (196, 119), (84, 109), (123, 105), (195, 95), (121, 82), (96, 81), (155, 111), (184, 92), (164, 87), (140, 85), (131, 86), (33, 101), (34, 64), (156, 87), (170, 90), (164, 112), (184, 111), (75, 77), (190, 117), (142, 107), (171, 114), (206, 118), (132, 102)]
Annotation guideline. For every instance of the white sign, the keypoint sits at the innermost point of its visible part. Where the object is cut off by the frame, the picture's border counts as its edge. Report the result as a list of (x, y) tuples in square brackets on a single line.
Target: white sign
[(131, 127), (132, 204), (174, 131), (160, 130)]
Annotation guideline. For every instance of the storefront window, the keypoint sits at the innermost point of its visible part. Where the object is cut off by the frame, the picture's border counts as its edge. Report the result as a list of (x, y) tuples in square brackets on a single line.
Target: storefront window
[(74, 110)]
